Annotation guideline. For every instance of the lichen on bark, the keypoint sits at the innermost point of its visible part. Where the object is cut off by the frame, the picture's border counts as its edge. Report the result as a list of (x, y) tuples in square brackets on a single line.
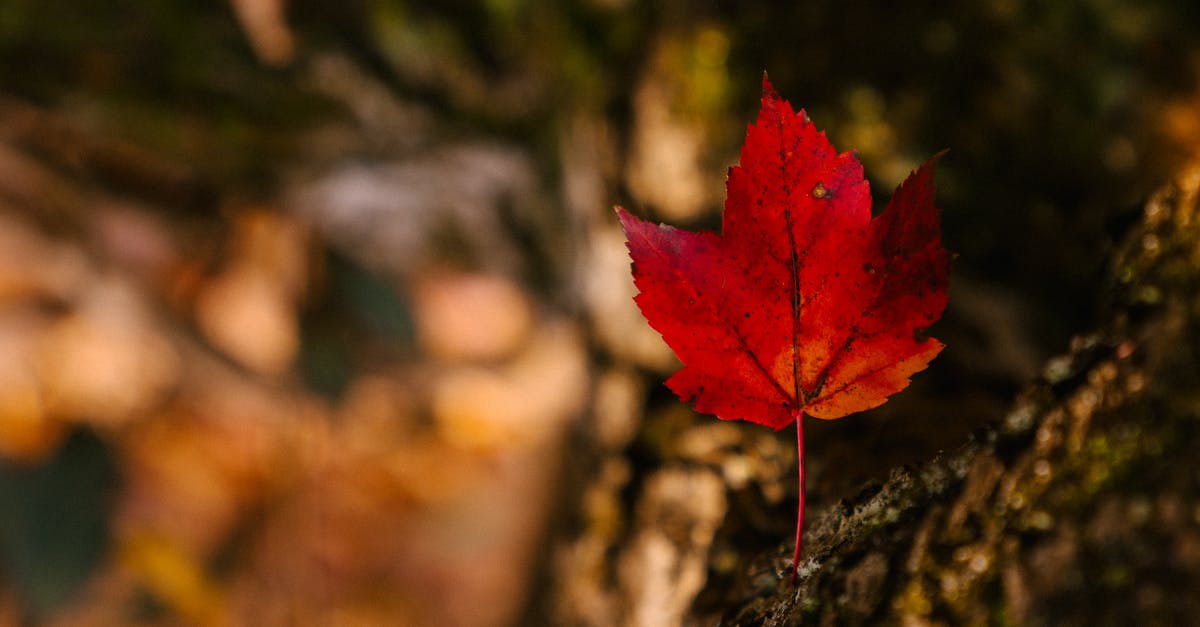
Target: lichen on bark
[(1079, 507)]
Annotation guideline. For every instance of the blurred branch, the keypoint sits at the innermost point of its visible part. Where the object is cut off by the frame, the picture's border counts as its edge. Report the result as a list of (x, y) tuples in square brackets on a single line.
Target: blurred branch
[(265, 25)]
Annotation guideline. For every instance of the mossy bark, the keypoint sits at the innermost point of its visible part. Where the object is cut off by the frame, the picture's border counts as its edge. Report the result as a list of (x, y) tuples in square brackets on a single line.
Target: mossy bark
[(1081, 507)]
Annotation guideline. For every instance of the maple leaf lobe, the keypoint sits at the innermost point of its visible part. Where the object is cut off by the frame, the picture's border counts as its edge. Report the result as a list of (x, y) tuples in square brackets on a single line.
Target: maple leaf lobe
[(804, 303)]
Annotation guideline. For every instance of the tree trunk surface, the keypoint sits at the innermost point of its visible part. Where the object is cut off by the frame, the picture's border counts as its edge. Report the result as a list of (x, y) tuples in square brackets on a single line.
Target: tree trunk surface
[(1080, 507)]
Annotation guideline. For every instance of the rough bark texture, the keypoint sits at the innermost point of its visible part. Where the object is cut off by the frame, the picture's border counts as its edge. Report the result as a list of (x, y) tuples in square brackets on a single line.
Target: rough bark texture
[(1080, 507)]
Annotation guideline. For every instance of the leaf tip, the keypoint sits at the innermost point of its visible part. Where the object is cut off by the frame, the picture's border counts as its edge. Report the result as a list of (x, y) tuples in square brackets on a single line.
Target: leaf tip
[(633, 227), (768, 90), (624, 216), (930, 164)]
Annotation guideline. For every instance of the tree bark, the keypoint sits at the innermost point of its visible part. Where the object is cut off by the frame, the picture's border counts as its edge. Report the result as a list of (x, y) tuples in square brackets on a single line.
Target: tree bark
[(1081, 507)]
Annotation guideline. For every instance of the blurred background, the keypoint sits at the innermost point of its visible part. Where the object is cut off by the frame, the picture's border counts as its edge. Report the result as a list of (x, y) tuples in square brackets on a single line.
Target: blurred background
[(318, 313)]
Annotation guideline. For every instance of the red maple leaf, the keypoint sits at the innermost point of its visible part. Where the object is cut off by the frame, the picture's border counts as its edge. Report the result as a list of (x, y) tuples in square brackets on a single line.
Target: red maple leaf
[(805, 303)]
